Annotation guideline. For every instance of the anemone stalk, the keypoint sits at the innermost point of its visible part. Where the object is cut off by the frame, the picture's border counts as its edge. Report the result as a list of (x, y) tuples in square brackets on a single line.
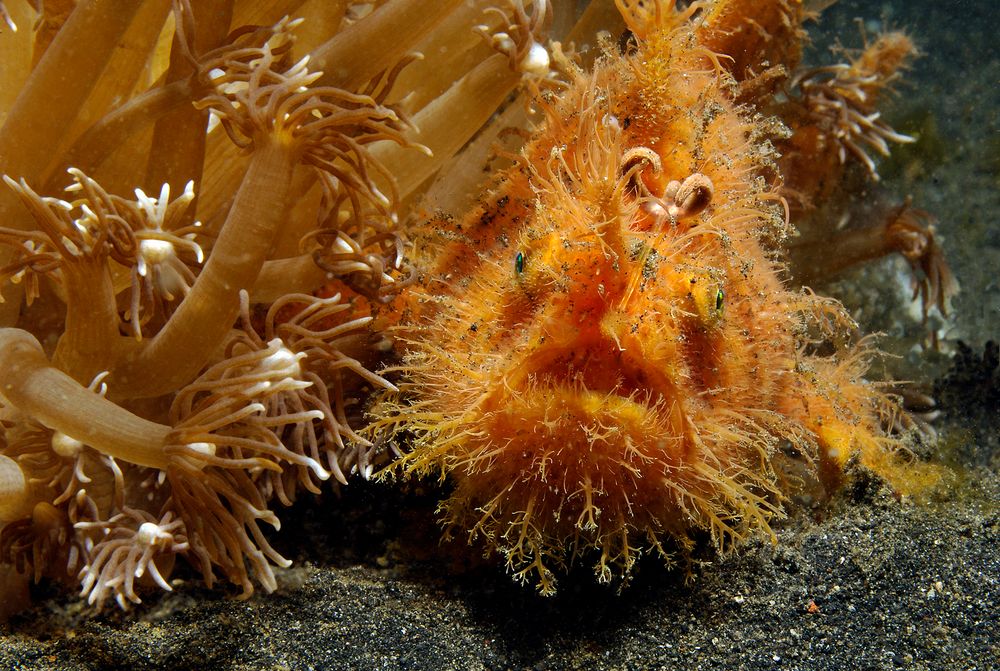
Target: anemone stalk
[(204, 318), (39, 389)]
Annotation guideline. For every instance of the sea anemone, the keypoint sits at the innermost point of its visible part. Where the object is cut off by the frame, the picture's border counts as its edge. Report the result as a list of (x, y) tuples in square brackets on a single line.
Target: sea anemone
[(195, 424), (833, 115), (129, 545)]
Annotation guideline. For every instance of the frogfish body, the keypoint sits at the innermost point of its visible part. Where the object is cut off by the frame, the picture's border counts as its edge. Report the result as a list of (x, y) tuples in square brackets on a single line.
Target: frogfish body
[(604, 358)]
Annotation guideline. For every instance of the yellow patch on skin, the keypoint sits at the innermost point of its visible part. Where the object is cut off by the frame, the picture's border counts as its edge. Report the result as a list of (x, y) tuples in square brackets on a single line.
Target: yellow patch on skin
[(835, 439)]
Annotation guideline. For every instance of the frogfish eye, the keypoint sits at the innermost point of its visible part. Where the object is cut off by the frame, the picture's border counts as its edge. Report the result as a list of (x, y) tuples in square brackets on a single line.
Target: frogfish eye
[(519, 263), (720, 299)]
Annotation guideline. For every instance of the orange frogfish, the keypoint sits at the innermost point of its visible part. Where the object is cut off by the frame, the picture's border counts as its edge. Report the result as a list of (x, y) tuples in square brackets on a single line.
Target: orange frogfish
[(605, 359)]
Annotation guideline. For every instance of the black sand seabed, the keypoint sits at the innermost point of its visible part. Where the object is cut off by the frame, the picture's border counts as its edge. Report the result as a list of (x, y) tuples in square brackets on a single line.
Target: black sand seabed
[(877, 585), (865, 582)]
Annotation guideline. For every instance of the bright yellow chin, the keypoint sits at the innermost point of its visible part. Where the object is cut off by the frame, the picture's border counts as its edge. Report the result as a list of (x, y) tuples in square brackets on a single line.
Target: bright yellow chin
[(574, 429)]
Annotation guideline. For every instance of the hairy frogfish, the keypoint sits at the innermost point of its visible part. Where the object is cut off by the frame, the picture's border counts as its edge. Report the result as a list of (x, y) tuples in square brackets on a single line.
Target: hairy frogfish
[(606, 358)]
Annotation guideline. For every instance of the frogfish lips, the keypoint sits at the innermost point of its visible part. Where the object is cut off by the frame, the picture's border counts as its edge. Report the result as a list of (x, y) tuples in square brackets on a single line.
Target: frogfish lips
[(567, 408)]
